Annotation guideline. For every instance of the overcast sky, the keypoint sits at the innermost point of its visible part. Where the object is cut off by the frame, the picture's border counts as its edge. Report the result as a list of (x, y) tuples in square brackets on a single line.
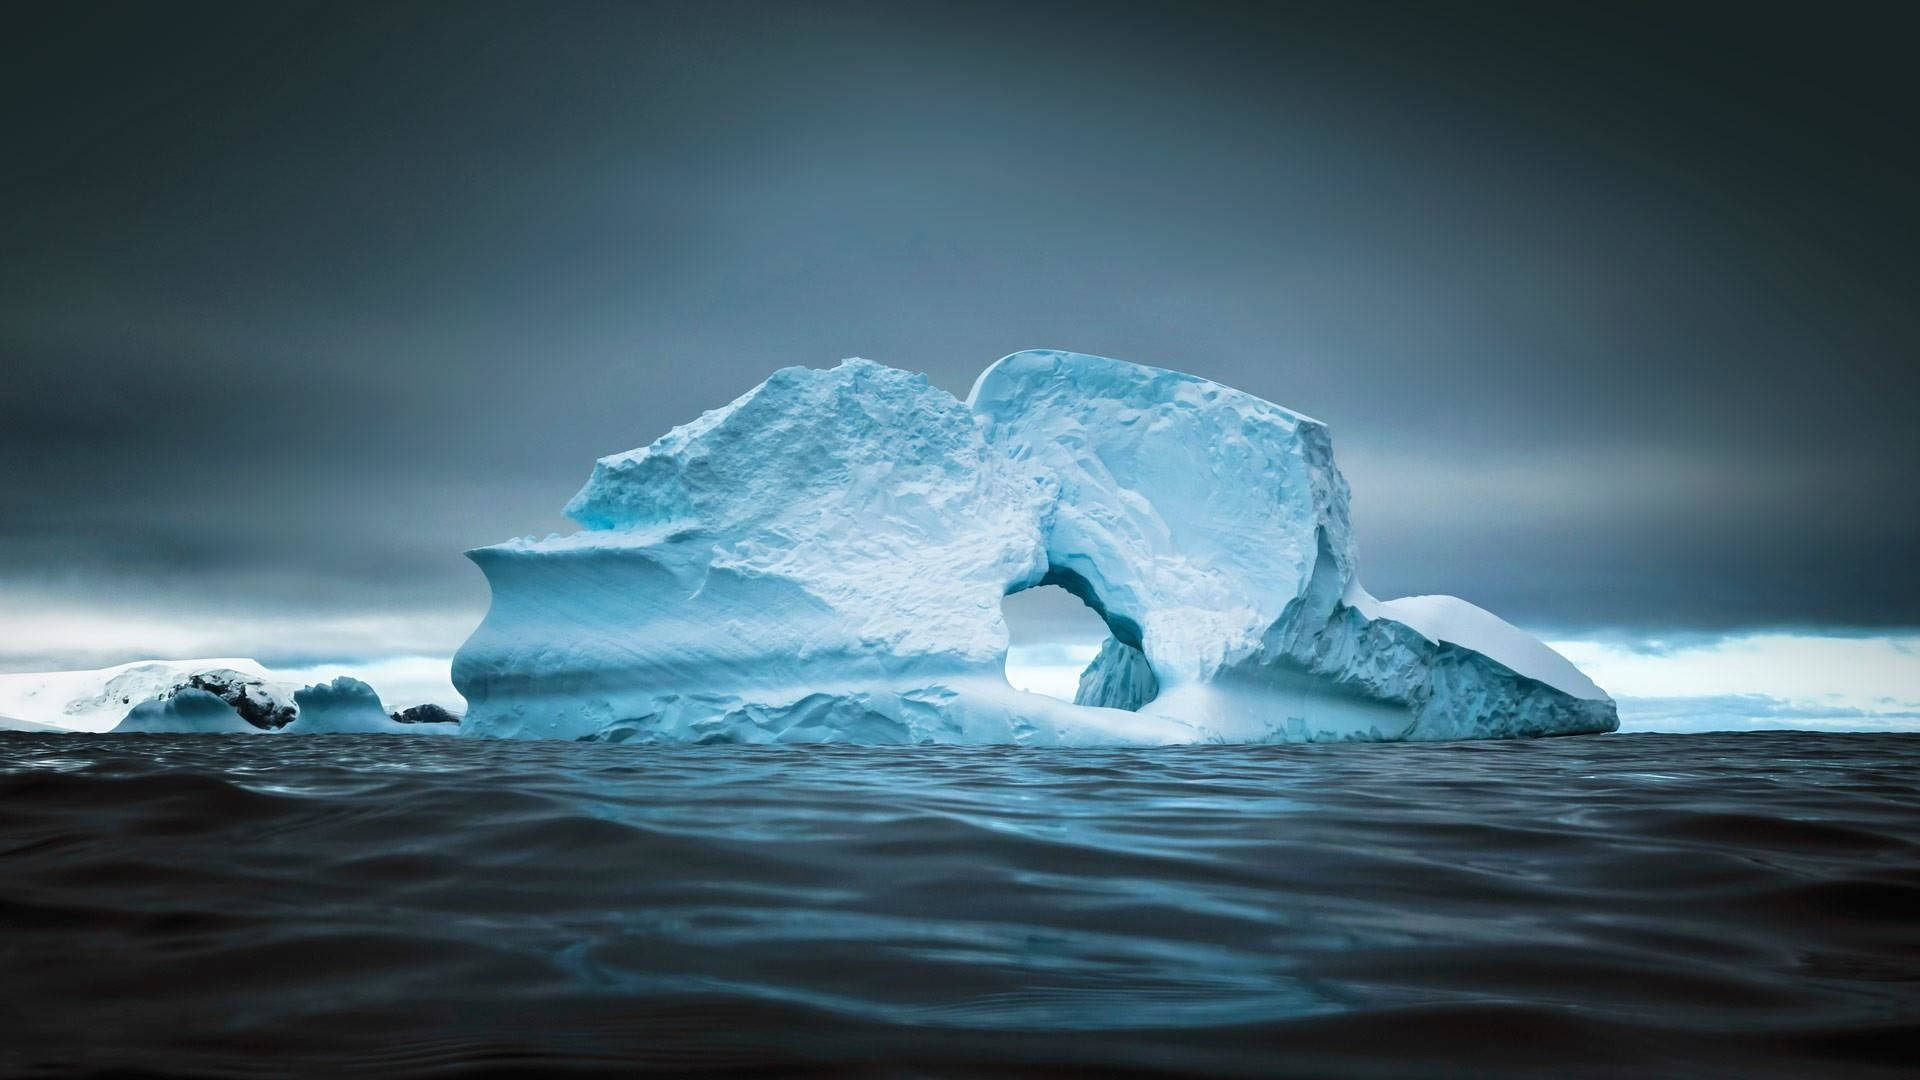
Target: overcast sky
[(1612, 312)]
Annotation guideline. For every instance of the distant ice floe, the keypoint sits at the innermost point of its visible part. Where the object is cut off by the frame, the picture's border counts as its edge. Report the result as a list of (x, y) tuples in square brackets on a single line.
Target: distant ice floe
[(226, 696)]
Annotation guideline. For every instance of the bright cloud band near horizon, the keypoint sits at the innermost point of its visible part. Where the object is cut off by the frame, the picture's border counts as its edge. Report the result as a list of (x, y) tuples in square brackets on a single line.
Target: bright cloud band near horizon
[(1669, 681)]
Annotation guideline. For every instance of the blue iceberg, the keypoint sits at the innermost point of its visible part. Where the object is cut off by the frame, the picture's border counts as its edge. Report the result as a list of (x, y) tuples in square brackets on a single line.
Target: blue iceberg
[(823, 560)]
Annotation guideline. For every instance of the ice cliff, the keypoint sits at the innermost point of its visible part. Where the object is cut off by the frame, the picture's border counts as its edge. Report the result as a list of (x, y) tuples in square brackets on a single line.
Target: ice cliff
[(823, 559)]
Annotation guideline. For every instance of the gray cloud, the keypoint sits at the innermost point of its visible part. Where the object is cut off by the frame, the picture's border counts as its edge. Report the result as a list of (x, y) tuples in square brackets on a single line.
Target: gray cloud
[(1611, 312)]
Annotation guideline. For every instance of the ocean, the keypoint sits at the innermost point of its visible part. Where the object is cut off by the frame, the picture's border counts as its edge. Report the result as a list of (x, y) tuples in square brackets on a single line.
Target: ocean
[(244, 906)]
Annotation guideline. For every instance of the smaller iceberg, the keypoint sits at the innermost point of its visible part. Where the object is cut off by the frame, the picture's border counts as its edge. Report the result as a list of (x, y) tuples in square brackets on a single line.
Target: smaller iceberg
[(186, 710), (428, 713), (347, 706), (226, 702)]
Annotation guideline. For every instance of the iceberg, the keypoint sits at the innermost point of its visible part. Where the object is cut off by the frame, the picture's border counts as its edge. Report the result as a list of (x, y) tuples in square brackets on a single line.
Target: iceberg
[(98, 700), (227, 702), (186, 709), (347, 706), (428, 713), (225, 696), (823, 560), (218, 700)]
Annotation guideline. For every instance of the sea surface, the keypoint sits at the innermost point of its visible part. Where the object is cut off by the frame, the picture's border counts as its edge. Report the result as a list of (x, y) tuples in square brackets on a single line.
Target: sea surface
[(1675, 904)]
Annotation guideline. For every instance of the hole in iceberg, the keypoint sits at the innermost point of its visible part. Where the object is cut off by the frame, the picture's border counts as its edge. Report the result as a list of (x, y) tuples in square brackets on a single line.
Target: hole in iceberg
[(1052, 637)]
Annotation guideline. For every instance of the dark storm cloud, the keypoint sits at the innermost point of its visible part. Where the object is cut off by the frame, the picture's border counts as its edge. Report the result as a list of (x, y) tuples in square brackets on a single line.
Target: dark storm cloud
[(1611, 310)]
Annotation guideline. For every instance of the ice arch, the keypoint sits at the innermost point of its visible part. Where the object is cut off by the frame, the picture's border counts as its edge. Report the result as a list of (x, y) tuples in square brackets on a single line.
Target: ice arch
[(823, 559), (1185, 513), (1053, 638)]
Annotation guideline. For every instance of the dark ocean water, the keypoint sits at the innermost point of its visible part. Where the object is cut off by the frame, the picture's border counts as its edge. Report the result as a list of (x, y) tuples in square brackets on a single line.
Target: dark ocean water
[(1686, 905)]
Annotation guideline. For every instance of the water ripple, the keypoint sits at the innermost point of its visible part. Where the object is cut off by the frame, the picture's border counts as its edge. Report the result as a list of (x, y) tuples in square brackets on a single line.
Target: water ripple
[(231, 906)]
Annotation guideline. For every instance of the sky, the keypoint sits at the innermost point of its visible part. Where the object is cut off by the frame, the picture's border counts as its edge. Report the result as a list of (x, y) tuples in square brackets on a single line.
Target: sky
[(1610, 307)]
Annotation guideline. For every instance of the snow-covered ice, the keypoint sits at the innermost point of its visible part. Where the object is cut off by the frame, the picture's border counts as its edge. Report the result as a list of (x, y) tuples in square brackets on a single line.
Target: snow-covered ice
[(98, 699), (823, 559), (10, 723), (160, 695)]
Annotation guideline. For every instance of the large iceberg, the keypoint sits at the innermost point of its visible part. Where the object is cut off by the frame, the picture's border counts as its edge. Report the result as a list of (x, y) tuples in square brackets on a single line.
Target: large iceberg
[(823, 559)]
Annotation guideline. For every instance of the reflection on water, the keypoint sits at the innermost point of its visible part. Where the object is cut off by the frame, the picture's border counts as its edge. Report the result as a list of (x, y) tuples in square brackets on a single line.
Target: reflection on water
[(1740, 903)]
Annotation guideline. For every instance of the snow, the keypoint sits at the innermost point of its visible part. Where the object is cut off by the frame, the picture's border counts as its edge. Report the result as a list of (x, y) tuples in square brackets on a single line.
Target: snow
[(1451, 619), (823, 559), (9, 723)]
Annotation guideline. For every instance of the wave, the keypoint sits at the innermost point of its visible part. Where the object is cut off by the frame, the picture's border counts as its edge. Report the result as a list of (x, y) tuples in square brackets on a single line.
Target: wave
[(207, 905)]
